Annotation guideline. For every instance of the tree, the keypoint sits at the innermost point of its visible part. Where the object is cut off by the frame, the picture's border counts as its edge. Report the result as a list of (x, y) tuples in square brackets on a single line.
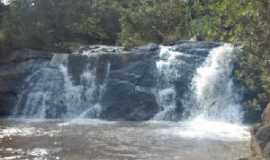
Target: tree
[(54, 24), (153, 21), (254, 71)]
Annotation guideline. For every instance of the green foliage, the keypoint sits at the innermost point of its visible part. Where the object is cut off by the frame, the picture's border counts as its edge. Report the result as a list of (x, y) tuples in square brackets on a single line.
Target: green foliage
[(49, 24), (254, 70), (153, 21), (221, 20)]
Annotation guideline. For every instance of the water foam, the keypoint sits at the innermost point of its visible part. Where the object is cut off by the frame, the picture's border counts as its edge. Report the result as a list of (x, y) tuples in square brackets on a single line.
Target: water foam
[(52, 91), (201, 128), (214, 102), (213, 87), (219, 130), (168, 72)]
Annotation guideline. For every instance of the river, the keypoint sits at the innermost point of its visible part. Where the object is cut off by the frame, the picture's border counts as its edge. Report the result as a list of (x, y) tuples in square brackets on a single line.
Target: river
[(22, 139)]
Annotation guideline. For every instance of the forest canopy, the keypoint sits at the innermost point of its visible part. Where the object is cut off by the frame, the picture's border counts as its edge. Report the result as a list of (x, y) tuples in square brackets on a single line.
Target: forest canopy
[(60, 25)]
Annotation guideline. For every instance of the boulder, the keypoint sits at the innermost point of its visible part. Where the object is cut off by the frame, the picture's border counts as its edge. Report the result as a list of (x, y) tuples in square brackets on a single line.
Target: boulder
[(128, 93), (260, 137), (122, 101), (266, 115)]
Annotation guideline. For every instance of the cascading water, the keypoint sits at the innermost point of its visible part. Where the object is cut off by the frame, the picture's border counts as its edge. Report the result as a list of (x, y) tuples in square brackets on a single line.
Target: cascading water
[(175, 67), (211, 99), (213, 87), (214, 101), (211, 91), (51, 92), (95, 110), (188, 81), (166, 95)]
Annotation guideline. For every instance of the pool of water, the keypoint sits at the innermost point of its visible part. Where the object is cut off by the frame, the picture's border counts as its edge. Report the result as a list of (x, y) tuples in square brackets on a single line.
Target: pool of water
[(22, 139)]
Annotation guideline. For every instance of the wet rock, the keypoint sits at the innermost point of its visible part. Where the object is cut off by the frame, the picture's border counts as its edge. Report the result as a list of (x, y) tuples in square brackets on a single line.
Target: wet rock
[(122, 101), (152, 47), (141, 73), (99, 49), (263, 136), (128, 93), (266, 115), (260, 137), (14, 68), (195, 48)]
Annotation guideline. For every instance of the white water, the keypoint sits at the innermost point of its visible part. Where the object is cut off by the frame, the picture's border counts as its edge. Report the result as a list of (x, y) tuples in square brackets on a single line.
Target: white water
[(201, 128), (6, 2), (79, 100), (166, 94), (213, 87), (214, 104), (212, 92)]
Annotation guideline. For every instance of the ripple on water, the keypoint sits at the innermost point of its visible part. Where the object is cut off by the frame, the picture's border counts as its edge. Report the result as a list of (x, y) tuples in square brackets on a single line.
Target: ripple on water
[(96, 140)]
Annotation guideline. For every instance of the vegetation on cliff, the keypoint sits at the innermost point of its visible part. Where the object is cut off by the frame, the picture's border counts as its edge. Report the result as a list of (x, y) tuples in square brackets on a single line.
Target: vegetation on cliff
[(60, 25)]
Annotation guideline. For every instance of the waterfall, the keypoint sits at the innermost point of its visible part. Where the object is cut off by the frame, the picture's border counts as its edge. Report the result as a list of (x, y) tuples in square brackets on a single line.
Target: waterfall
[(172, 83), (95, 111), (78, 98), (211, 93), (213, 87), (211, 101), (168, 72), (52, 92)]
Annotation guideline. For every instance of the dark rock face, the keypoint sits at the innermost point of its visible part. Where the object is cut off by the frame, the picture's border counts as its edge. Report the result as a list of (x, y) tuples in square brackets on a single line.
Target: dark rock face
[(122, 101), (127, 95), (13, 71)]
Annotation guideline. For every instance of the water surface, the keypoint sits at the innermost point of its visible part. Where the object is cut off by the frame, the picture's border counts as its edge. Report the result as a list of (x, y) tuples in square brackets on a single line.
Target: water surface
[(100, 140)]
